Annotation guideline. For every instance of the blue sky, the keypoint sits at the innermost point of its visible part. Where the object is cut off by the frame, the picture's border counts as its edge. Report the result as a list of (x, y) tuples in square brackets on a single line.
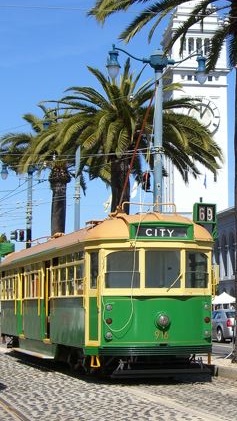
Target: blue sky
[(45, 48)]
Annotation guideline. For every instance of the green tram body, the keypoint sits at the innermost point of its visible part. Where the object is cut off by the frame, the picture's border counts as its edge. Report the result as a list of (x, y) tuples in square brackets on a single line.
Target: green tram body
[(125, 295)]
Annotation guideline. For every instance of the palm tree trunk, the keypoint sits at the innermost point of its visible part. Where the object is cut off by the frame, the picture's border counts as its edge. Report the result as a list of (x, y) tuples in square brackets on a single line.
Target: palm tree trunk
[(59, 177), (119, 169), (234, 355), (58, 208)]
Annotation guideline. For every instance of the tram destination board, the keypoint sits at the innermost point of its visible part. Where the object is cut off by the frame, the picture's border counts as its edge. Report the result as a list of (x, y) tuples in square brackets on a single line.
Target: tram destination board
[(161, 231)]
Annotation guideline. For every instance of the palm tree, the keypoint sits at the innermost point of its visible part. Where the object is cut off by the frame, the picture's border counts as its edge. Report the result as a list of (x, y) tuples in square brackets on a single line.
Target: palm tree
[(107, 128), (44, 151), (156, 11), (14, 145), (20, 151)]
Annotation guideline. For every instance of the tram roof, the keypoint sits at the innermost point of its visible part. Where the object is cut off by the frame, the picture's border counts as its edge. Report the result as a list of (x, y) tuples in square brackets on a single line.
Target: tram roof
[(115, 227)]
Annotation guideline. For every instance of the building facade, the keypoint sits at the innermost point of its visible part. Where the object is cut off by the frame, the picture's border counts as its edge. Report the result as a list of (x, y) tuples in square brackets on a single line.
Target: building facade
[(225, 250), (212, 110)]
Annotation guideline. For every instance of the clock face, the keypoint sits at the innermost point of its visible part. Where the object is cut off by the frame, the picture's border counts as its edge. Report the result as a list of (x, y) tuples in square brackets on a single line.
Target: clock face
[(207, 113)]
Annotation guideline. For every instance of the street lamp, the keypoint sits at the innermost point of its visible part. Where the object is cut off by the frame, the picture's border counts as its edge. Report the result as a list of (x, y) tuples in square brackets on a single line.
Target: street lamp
[(4, 172), (158, 61), (30, 172)]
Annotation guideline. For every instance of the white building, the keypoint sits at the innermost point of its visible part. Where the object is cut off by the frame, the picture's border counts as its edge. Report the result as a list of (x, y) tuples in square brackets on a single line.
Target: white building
[(212, 112)]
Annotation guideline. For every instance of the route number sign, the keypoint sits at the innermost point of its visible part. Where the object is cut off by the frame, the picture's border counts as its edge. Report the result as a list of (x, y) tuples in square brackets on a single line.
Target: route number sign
[(204, 213)]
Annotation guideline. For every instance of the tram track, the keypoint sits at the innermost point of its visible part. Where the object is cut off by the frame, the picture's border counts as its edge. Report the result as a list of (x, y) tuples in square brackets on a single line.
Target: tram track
[(8, 409)]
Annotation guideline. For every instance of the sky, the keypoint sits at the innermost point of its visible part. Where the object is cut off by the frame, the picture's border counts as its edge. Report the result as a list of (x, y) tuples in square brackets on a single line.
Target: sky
[(46, 46)]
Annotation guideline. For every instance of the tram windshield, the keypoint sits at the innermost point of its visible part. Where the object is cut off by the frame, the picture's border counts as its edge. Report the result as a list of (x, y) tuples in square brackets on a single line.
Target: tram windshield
[(163, 269), (122, 270), (196, 270)]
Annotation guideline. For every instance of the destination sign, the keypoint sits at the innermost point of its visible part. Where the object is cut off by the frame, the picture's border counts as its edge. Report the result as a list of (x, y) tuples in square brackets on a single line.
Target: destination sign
[(156, 231)]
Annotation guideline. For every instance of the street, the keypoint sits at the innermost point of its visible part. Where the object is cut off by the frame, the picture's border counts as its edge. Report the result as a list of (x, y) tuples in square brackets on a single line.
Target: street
[(31, 390), (222, 349)]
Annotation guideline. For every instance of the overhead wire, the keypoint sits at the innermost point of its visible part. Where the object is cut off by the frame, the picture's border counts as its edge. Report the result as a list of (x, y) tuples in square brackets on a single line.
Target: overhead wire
[(213, 9)]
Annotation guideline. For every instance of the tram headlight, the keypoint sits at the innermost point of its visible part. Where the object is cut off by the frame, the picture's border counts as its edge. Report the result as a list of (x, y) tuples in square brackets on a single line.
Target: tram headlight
[(207, 333), (162, 320), (108, 336)]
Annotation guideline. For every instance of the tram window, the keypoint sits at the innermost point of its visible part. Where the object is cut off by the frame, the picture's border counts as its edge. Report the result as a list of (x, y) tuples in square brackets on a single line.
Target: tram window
[(8, 289), (122, 270), (79, 255), (34, 285), (162, 269), (196, 270), (62, 260), (31, 281), (70, 281), (55, 261), (62, 283), (93, 269), (9, 285), (79, 279), (54, 280)]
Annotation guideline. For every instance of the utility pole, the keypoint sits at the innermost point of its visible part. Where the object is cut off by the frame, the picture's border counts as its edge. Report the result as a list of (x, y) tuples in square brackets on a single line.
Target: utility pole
[(77, 191), (30, 172)]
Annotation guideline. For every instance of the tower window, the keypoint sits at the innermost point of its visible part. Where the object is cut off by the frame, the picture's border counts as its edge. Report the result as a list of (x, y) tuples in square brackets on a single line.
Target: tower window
[(199, 45), (206, 46), (184, 46), (190, 45)]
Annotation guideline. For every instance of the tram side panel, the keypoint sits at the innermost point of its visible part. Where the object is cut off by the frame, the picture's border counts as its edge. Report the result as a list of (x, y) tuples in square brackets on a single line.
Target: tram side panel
[(11, 303), (11, 320), (33, 319), (67, 321)]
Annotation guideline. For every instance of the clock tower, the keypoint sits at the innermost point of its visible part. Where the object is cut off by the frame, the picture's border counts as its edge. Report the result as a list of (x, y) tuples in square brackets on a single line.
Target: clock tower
[(212, 110)]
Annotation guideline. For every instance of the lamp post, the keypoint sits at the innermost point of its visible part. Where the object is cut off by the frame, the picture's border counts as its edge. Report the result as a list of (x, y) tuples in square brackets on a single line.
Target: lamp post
[(158, 61), (77, 191), (30, 172)]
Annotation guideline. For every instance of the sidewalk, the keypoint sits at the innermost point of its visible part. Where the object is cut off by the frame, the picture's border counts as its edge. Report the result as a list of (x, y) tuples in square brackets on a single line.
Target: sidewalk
[(221, 367)]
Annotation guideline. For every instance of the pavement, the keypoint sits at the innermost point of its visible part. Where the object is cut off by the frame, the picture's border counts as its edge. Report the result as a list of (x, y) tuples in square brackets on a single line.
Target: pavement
[(220, 366)]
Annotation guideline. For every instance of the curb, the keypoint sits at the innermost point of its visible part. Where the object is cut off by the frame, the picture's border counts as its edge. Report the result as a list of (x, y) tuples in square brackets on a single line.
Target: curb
[(226, 372)]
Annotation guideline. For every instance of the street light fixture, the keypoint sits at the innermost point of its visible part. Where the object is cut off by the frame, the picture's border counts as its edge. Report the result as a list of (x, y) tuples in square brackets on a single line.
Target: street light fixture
[(4, 172), (158, 61)]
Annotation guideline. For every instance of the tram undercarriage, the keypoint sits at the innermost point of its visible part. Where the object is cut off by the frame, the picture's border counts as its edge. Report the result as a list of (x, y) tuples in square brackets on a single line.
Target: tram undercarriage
[(123, 366), (151, 366)]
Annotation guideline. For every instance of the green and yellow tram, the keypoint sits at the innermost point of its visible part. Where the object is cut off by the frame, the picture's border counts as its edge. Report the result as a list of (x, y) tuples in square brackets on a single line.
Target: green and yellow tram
[(128, 295)]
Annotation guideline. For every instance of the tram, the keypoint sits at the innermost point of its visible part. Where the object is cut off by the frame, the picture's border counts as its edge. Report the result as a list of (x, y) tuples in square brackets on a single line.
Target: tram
[(126, 296)]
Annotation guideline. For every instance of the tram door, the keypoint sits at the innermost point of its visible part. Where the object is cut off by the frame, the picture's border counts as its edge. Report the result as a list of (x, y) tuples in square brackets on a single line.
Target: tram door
[(92, 300), (32, 303)]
